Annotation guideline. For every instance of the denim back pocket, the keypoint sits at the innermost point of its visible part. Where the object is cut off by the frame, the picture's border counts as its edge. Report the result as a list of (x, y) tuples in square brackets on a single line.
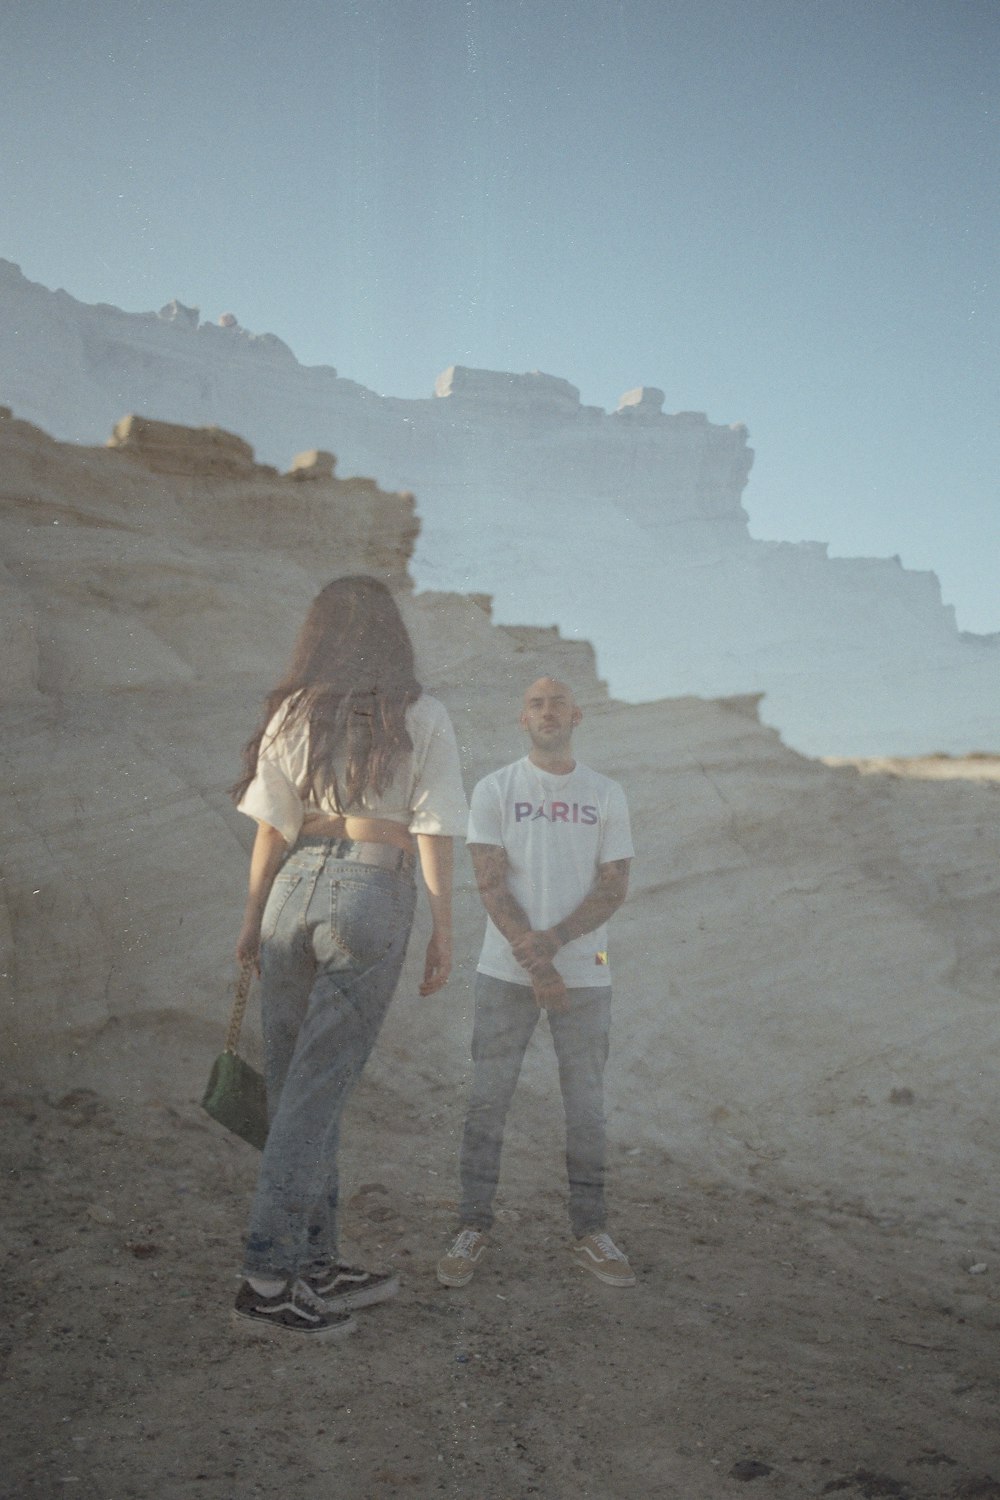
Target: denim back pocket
[(370, 913), (284, 887)]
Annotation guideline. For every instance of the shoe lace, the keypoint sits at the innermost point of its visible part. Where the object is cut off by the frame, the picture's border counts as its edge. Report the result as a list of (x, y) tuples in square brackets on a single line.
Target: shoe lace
[(607, 1246), (306, 1297), (465, 1244)]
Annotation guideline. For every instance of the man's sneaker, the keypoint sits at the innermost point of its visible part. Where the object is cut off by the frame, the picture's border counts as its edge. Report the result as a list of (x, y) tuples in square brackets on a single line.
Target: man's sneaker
[(347, 1286), (295, 1309), (458, 1267), (598, 1254)]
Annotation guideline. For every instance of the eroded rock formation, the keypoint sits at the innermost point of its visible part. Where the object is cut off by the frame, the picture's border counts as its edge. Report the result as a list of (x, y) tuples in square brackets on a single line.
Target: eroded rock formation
[(806, 970), (624, 528)]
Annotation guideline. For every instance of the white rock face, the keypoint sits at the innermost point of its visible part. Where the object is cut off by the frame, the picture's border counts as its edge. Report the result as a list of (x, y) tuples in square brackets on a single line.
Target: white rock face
[(807, 966), (623, 528)]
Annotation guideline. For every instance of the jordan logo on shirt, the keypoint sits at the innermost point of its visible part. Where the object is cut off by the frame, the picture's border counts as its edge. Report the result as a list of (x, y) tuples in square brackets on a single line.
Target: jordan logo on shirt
[(557, 812)]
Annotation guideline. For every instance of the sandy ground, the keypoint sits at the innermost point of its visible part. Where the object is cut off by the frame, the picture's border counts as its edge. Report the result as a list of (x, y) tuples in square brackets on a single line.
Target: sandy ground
[(778, 1344)]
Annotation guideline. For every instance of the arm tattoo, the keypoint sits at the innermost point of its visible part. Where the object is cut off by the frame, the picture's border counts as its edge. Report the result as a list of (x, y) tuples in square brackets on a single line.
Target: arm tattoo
[(507, 915), (604, 897)]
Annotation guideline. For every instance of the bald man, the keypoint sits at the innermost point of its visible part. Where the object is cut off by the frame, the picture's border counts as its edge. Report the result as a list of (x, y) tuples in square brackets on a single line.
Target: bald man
[(551, 847)]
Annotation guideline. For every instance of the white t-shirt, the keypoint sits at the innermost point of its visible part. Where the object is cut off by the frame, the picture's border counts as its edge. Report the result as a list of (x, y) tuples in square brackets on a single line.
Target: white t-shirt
[(425, 795), (555, 831)]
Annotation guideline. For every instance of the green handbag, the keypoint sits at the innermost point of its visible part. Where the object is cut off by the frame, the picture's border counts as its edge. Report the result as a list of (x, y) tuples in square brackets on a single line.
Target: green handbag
[(236, 1095)]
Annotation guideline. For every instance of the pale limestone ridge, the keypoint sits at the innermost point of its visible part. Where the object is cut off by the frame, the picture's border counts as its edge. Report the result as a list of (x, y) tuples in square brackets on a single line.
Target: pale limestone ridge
[(806, 972), (624, 528)]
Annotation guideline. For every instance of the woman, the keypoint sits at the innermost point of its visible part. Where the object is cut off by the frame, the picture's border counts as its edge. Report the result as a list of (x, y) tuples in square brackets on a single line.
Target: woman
[(352, 769)]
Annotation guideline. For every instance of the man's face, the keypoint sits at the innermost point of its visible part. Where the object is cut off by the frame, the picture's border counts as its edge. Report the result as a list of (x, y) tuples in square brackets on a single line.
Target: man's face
[(549, 714)]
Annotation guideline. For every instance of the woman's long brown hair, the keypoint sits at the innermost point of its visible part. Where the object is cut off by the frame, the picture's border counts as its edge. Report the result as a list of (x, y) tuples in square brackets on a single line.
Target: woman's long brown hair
[(351, 678)]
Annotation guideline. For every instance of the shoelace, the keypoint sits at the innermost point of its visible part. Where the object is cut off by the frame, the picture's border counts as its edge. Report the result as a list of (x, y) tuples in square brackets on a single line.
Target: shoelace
[(305, 1295), (607, 1247), (463, 1245)]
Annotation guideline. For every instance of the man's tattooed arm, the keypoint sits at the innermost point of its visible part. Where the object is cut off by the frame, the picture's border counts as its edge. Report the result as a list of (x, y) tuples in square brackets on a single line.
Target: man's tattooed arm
[(508, 916), (604, 897), (490, 864)]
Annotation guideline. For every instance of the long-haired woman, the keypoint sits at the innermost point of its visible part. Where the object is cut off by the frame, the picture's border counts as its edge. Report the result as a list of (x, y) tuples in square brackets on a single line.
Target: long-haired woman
[(352, 771)]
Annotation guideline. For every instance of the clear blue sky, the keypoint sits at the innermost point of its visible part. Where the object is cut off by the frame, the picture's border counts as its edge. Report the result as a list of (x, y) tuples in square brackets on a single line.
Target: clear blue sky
[(783, 212)]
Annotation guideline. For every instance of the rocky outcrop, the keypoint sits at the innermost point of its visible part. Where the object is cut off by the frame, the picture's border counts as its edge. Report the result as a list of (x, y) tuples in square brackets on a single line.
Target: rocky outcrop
[(504, 393), (150, 593), (644, 401), (623, 528), (807, 966), (164, 448)]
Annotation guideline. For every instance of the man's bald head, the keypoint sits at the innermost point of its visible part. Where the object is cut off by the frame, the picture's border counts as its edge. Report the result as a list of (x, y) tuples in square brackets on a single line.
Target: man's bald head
[(549, 714), (549, 687)]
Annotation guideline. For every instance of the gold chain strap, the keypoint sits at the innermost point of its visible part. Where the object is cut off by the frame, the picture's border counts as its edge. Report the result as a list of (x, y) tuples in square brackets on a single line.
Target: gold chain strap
[(239, 1006)]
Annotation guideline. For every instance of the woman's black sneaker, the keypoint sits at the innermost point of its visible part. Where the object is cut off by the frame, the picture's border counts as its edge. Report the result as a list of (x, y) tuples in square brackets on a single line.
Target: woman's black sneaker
[(295, 1309), (344, 1287)]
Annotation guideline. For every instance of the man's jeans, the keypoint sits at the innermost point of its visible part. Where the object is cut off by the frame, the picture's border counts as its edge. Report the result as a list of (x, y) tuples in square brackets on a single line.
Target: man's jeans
[(506, 1016), (333, 941)]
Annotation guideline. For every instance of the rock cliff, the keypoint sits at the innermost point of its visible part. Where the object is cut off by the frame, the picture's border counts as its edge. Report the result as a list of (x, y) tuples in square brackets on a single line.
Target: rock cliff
[(624, 528), (806, 971)]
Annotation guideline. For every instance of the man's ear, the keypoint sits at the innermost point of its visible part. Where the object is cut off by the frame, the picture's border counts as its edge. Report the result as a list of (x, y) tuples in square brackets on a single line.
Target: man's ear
[(521, 720), (577, 716)]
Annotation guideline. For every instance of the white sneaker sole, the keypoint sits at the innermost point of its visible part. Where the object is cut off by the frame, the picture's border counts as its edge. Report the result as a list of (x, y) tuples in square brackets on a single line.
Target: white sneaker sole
[(263, 1328), (608, 1277), (363, 1297)]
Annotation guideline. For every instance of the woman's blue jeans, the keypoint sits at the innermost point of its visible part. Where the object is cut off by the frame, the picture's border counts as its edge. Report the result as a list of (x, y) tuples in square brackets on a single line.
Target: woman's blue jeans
[(333, 939), (506, 1016)]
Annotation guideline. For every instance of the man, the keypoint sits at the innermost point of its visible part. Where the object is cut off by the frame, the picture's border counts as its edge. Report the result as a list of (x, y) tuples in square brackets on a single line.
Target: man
[(551, 847)]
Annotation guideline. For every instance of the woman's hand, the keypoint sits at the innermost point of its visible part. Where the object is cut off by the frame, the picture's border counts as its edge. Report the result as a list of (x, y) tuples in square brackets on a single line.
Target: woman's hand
[(437, 965)]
